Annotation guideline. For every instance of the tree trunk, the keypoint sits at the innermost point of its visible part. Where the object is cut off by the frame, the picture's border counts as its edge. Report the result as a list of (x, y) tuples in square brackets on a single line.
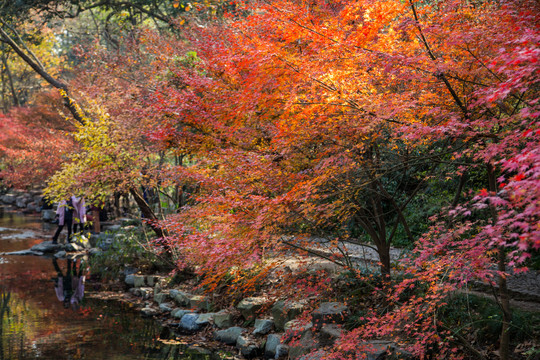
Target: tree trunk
[(10, 79), (147, 212), (504, 341)]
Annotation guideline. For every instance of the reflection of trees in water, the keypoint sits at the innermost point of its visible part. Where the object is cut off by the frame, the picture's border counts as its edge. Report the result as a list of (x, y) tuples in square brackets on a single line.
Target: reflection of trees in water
[(113, 332), (4, 310)]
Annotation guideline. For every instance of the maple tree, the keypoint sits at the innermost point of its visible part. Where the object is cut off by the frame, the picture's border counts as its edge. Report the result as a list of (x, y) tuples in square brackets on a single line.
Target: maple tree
[(289, 120)]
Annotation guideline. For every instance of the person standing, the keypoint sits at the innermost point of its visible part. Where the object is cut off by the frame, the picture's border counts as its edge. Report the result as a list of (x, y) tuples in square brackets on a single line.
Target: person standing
[(65, 218), (79, 213)]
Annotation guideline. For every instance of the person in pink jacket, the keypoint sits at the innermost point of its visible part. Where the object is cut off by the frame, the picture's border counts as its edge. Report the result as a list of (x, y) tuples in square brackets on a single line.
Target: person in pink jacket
[(65, 218), (69, 288), (79, 213)]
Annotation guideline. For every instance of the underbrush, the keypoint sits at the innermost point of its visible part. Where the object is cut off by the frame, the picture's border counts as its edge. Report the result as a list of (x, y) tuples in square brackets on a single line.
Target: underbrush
[(479, 320), (127, 248)]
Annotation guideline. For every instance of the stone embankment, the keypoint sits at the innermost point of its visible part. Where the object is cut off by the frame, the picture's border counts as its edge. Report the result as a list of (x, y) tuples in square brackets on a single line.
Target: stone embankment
[(25, 201), (275, 330)]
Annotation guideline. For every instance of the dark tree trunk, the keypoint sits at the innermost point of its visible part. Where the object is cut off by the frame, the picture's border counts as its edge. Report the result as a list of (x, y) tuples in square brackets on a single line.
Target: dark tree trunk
[(504, 341), (147, 212)]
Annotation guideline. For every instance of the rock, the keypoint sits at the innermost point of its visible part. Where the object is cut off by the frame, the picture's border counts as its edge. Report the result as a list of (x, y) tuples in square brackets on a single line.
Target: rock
[(178, 313), (151, 280), (317, 355), (229, 336), (147, 311), (197, 351), (105, 242), (21, 201), (23, 252), (145, 292), (249, 307), (328, 313), (73, 247), (381, 349), (305, 345), (199, 302), (248, 347), (138, 281), (96, 251), (161, 297), (130, 280), (94, 239), (272, 342), (47, 247), (32, 207), (9, 199), (282, 350), (38, 198), (284, 311), (263, 326), (112, 228), (295, 329), (329, 334), (48, 215), (205, 319), (223, 319), (189, 322), (60, 254), (82, 241), (181, 297), (166, 307)]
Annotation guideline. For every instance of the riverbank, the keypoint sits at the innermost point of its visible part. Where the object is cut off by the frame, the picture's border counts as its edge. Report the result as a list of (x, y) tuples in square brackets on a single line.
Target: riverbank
[(264, 324)]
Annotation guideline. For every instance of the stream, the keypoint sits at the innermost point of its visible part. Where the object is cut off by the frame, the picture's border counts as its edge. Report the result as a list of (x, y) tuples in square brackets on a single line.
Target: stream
[(35, 324)]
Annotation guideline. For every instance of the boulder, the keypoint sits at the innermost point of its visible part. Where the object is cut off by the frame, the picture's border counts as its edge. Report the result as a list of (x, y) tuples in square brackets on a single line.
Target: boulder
[(83, 241), (382, 349), (9, 199), (23, 252), (21, 201), (48, 215), (272, 342), (96, 251), (317, 355), (144, 292), (248, 348), (295, 329), (263, 326), (229, 336), (60, 254), (249, 307), (181, 297), (148, 311), (197, 351), (329, 334), (199, 302), (284, 311), (329, 313), (111, 228), (138, 281), (73, 247), (47, 247), (205, 319), (130, 279), (32, 207), (223, 319), (305, 345), (151, 280), (161, 297), (282, 351), (189, 322), (166, 307), (178, 313)]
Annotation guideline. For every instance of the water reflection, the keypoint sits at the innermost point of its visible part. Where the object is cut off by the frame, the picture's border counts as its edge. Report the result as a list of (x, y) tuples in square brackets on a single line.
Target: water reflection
[(69, 288), (34, 324)]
